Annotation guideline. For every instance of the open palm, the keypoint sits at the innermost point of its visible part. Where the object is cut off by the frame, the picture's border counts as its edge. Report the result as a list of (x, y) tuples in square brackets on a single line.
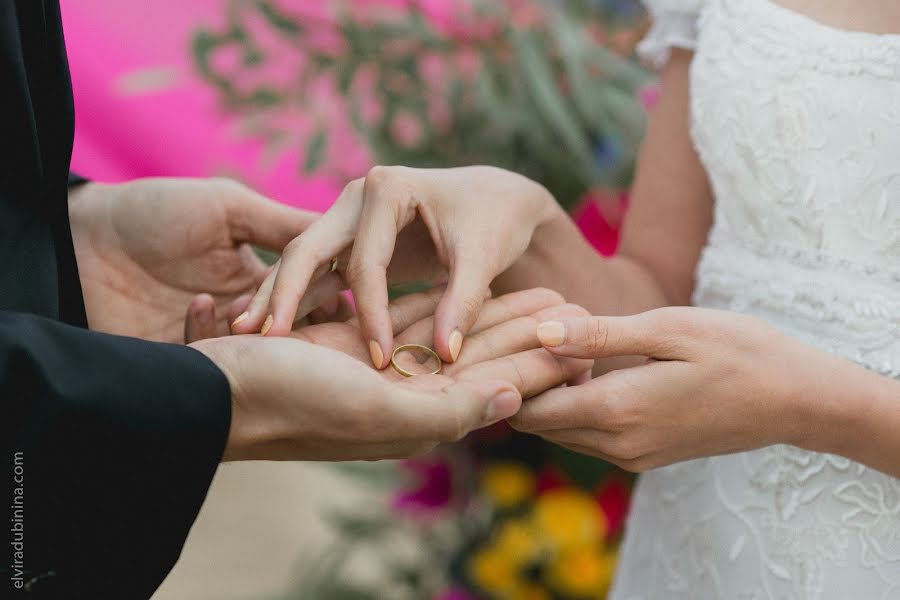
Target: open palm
[(503, 345), (147, 248)]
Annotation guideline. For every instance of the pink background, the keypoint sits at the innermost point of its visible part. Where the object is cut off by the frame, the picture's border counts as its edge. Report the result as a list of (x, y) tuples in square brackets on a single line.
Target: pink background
[(141, 111)]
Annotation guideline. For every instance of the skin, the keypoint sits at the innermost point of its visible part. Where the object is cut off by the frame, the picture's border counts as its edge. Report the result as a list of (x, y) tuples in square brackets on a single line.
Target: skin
[(675, 383), (160, 258), (148, 248), (313, 395), (398, 225)]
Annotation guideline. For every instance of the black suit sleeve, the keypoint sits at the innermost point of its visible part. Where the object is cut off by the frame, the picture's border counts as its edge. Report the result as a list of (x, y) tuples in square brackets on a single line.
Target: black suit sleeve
[(112, 443)]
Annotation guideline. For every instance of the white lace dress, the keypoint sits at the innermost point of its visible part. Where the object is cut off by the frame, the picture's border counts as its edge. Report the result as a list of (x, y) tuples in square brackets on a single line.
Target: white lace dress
[(798, 127)]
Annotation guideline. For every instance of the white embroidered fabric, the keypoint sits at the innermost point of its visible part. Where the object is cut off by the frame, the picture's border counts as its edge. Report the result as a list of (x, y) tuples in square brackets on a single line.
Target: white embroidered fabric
[(798, 126)]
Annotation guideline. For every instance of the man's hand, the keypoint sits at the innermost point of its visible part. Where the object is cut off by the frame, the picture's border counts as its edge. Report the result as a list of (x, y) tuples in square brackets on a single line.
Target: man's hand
[(296, 400), (146, 249)]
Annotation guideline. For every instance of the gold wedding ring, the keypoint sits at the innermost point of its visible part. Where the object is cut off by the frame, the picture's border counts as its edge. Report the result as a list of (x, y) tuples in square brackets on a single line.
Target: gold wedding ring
[(426, 349), (334, 265)]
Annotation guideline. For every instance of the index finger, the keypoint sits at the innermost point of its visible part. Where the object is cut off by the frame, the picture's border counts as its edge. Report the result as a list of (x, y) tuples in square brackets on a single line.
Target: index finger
[(380, 222), (645, 334)]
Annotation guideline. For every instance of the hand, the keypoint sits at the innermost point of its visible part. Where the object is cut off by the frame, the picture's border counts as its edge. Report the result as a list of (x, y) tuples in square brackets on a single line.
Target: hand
[(295, 400), (146, 249), (400, 224), (716, 383)]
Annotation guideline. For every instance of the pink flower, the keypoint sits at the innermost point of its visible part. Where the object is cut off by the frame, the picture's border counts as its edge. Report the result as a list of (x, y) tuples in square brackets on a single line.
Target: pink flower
[(434, 491), (599, 216), (614, 498)]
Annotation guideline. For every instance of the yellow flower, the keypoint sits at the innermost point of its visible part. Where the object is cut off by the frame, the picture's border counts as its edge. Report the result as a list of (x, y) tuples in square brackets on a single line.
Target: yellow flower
[(568, 517), (517, 540), (531, 591), (582, 572), (494, 572), (508, 484)]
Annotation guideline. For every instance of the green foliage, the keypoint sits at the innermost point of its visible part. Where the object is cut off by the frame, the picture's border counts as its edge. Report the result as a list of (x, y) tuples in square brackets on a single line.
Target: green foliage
[(540, 96)]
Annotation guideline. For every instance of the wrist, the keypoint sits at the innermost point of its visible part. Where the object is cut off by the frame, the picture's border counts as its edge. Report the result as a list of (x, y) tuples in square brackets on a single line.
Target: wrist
[(839, 406)]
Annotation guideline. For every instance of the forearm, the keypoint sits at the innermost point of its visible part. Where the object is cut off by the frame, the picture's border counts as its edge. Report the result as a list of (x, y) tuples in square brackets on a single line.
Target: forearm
[(853, 412), (561, 259)]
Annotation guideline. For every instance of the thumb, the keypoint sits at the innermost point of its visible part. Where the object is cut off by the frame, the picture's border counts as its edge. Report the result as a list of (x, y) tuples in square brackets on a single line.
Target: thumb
[(257, 220), (604, 337), (200, 319), (451, 413)]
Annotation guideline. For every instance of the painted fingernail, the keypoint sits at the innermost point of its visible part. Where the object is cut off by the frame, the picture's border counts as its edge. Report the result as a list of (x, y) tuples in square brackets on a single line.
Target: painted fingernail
[(551, 333), (455, 342), (267, 325), (241, 318), (376, 353), (505, 405)]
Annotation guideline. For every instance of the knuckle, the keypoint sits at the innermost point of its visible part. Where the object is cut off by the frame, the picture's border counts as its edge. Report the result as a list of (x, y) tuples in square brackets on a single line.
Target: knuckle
[(627, 448), (551, 297), (354, 187), (596, 335), (227, 183), (378, 176), (638, 465)]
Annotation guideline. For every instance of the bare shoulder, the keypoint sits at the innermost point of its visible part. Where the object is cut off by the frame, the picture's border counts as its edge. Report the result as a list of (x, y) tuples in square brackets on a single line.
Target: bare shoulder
[(873, 16)]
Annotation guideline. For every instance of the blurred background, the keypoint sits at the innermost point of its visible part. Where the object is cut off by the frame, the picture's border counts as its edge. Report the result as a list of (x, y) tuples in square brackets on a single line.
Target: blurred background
[(296, 97)]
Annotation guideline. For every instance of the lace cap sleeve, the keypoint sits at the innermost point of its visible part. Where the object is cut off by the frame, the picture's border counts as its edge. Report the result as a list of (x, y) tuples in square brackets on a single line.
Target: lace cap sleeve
[(674, 26)]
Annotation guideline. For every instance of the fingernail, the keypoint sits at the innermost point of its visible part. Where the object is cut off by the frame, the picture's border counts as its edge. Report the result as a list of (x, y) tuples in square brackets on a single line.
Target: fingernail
[(376, 353), (505, 405), (267, 325), (551, 333), (455, 341), (241, 318), (203, 317)]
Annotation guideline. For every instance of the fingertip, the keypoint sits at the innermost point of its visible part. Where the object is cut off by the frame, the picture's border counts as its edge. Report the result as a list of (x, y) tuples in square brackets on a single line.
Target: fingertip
[(454, 344), (376, 352), (504, 405), (552, 334), (267, 325), (239, 325)]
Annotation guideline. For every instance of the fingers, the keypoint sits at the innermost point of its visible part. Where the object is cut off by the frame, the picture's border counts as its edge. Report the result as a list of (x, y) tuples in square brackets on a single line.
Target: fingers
[(410, 309), (509, 337), (531, 372), (200, 319), (322, 292), (645, 334), (380, 222), (255, 219), (566, 408), (274, 307), (458, 311), (495, 311), (448, 414), (239, 305)]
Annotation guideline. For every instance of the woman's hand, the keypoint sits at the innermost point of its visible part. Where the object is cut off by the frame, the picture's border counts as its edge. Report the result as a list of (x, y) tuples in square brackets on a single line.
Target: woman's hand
[(398, 225), (295, 400), (148, 248), (716, 383)]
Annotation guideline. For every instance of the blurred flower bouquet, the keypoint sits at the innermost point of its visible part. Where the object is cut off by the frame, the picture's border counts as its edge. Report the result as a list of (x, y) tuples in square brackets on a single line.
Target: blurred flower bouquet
[(542, 87)]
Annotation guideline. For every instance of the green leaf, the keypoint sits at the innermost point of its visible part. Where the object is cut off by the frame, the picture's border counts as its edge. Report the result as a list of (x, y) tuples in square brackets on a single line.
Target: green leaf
[(279, 20), (315, 151), (546, 95), (264, 97), (267, 256)]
